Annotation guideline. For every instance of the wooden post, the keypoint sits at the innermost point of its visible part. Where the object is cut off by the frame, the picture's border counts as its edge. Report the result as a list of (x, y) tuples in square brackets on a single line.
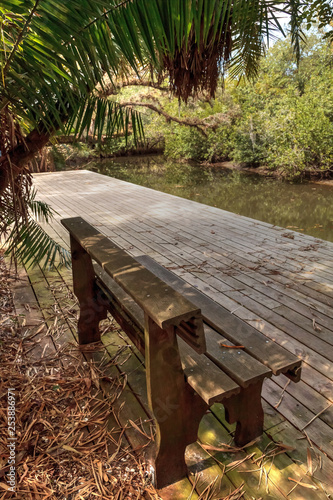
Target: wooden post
[(92, 306), (246, 409), (176, 408)]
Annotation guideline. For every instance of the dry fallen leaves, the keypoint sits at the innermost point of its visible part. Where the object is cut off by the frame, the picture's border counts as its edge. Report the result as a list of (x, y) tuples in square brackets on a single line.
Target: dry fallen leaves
[(64, 448)]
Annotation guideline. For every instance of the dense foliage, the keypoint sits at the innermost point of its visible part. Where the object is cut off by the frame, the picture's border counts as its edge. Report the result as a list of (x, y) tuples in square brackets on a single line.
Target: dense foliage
[(286, 118), (283, 121)]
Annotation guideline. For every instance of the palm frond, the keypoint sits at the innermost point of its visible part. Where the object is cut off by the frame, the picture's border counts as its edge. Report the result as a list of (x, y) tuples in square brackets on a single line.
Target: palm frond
[(55, 60), (24, 238), (40, 210), (31, 245), (252, 25), (296, 19), (104, 117)]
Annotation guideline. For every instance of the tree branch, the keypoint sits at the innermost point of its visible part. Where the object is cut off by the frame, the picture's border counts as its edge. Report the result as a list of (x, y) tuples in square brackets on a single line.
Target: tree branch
[(133, 83), (199, 125)]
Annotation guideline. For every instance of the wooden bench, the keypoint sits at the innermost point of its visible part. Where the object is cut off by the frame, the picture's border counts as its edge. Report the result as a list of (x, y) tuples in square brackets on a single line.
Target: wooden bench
[(196, 352)]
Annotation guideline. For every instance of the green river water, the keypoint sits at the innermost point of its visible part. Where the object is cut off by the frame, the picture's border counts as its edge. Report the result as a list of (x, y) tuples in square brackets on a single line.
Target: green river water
[(304, 207)]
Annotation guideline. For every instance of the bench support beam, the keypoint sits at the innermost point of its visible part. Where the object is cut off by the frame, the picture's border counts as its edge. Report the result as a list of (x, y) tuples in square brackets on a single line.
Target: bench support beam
[(92, 305), (245, 408), (175, 406)]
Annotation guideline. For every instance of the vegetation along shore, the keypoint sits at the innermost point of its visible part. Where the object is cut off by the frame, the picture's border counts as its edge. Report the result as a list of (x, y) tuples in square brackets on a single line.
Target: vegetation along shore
[(280, 125)]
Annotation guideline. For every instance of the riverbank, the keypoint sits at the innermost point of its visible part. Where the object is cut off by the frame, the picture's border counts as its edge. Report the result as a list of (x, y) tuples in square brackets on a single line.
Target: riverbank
[(315, 178), (71, 156)]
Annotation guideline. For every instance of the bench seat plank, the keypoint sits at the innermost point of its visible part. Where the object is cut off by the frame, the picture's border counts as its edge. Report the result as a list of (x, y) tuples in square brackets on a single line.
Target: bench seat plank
[(278, 359), (212, 384), (161, 302), (236, 362), (201, 373), (241, 368)]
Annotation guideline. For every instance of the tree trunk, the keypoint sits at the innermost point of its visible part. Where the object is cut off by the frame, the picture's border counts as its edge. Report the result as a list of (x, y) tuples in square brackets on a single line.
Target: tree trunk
[(16, 159)]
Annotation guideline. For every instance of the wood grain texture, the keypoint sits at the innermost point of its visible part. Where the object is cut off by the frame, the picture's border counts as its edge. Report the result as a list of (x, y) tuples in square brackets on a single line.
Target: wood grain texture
[(176, 408), (236, 331)]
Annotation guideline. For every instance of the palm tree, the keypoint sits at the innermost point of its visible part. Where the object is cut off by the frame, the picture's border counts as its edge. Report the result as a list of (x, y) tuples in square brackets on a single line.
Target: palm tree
[(54, 55)]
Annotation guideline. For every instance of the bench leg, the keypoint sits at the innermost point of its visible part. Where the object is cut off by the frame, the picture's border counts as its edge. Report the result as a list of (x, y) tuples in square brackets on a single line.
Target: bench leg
[(176, 408), (92, 308), (246, 409)]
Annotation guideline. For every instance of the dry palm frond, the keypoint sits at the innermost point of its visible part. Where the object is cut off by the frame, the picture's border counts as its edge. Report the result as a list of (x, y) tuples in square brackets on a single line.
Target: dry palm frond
[(13, 199), (196, 64), (64, 447)]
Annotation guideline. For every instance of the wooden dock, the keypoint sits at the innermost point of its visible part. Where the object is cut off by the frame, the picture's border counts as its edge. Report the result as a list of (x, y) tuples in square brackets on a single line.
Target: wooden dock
[(277, 280)]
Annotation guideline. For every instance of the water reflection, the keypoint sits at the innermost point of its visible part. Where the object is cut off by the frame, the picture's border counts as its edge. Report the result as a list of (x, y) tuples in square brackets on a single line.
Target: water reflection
[(303, 207)]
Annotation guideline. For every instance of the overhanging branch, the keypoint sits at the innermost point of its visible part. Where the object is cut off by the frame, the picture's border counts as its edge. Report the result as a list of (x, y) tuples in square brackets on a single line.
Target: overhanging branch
[(197, 124)]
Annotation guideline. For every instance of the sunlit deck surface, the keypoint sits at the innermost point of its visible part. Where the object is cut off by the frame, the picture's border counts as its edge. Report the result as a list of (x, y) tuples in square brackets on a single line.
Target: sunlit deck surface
[(277, 280)]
